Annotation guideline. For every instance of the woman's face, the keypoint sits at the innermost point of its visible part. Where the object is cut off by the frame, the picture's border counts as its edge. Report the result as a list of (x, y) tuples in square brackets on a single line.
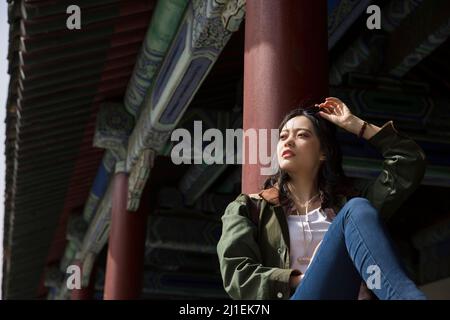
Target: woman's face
[(298, 148)]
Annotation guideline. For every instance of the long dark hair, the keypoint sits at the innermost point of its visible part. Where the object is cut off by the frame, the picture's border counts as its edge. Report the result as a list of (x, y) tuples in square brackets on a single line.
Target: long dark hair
[(332, 181)]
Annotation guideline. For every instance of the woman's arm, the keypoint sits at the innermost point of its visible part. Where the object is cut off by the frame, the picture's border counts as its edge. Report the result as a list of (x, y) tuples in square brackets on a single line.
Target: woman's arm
[(244, 276), (404, 161), (402, 171), (337, 112), (355, 124)]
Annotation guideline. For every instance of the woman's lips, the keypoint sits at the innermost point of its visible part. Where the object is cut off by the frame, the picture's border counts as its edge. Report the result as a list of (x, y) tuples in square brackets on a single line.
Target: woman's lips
[(287, 154)]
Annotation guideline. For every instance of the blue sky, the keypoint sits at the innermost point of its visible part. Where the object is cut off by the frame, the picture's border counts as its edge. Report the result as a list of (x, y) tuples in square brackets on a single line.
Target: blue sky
[(4, 81)]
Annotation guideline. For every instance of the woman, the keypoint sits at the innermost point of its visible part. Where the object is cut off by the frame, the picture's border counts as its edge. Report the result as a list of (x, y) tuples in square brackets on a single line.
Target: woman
[(316, 235)]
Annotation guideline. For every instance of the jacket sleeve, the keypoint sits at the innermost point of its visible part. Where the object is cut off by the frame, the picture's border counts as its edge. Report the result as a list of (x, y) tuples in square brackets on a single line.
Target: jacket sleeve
[(402, 171), (243, 275)]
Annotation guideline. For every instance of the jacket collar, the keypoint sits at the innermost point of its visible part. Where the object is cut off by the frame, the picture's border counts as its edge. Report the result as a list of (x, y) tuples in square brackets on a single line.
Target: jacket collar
[(271, 195)]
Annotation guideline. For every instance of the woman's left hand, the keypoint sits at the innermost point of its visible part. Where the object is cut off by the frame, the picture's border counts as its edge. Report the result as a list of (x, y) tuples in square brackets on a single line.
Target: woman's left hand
[(335, 111)]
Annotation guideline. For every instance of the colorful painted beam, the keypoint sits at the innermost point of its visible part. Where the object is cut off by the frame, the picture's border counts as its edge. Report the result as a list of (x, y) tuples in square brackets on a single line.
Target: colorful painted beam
[(113, 127), (203, 33), (342, 17), (100, 185), (77, 228), (413, 111), (96, 236), (108, 137), (409, 107), (90, 231), (162, 29), (201, 176), (366, 51)]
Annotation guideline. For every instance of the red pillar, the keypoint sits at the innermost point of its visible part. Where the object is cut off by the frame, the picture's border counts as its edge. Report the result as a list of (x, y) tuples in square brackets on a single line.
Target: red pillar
[(125, 262), (286, 61), (86, 293)]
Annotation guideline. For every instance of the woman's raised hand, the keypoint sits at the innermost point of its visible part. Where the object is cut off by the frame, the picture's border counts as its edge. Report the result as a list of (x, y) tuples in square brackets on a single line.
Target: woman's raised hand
[(335, 111)]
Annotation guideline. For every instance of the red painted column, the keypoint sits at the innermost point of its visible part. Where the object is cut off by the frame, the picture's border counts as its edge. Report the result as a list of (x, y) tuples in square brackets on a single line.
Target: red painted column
[(125, 262), (86, 293), (285, 62)]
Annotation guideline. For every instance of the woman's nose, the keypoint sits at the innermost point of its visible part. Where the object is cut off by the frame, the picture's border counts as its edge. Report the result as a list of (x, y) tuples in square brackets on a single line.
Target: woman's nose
[(289, 142)]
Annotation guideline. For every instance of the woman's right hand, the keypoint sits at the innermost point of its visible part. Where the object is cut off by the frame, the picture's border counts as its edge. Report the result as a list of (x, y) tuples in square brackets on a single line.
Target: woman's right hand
[(295, 280)]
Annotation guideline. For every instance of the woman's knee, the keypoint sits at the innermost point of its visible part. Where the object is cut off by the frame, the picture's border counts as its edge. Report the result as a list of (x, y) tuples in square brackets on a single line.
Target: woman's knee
[(358, 201), (359, 207)]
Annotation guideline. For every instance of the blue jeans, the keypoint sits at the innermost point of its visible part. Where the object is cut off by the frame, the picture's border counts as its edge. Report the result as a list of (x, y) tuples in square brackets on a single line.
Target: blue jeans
[(356, 247)]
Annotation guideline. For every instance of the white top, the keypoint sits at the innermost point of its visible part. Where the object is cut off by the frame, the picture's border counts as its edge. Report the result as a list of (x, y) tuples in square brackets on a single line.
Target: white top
[(313, 226)]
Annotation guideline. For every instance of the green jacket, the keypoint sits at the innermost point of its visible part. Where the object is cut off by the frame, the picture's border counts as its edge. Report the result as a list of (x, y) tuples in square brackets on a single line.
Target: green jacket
[(255, 263)]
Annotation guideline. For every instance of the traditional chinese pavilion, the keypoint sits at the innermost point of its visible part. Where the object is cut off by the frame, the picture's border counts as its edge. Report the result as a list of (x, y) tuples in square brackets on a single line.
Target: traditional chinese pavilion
[(90, 112)]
